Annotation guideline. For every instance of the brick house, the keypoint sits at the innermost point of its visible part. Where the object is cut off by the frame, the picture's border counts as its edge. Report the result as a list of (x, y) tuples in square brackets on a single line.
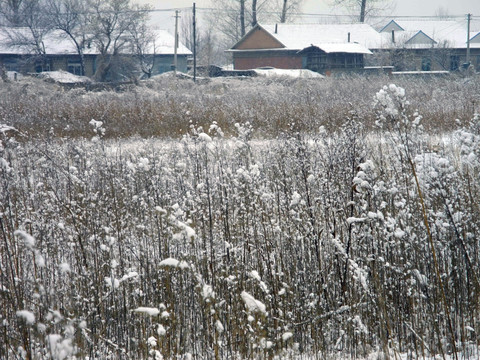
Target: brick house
[(322, 48)]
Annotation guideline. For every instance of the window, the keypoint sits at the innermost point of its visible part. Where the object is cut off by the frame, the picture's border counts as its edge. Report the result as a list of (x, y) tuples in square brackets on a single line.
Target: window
[(11, 65), (454, 62), (74, 67), (316, 61), (426, 64), (42, 65)]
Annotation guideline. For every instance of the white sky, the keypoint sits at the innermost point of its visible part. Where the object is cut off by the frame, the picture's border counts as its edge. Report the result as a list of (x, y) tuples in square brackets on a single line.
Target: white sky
[(165, 19), (402, 7)]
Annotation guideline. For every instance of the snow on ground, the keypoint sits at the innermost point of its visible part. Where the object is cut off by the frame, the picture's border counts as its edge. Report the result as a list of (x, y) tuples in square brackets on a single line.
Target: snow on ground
[(63, 77), (294, 73)]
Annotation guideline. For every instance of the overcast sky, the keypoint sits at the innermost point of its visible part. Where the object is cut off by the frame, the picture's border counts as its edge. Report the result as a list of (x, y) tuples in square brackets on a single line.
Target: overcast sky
[(165, 19), (402, 7)]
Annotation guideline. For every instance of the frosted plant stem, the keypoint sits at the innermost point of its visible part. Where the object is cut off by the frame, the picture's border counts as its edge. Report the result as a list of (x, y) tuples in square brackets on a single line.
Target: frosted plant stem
[(434, 256)]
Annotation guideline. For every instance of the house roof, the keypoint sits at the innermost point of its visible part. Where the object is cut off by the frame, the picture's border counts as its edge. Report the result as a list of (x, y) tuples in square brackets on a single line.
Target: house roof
[(392, 25), (421, 38), (451, 33), (418, 34), (475, 39), (329, 48), (301, 36), (165, 42), (57, 43)]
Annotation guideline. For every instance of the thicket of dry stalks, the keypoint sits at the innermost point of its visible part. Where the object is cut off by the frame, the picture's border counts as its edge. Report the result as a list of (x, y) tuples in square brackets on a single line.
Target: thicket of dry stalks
[(340, 240)]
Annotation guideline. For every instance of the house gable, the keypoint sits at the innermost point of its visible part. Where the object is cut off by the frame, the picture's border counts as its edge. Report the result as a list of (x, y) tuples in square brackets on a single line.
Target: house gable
[(420, 38), (391, 26), (258, 38), (475, 39)]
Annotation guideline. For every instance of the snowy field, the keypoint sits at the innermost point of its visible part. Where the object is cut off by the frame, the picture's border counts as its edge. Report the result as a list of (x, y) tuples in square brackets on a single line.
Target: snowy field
[(231, 240)]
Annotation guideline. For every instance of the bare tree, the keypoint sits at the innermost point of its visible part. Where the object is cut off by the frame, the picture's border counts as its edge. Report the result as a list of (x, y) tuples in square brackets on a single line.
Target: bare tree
[(35, 25), (288, 7), (143, 46), (11, 10), (70, 16), (208, 44), (186, 31), (254, 13), (233, 18), (364, 8), (442, 13), (110, 25)]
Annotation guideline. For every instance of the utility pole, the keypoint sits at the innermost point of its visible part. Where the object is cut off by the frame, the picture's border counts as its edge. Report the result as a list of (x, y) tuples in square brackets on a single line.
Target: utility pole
[(194, 46), (176, 44), (469, 17)]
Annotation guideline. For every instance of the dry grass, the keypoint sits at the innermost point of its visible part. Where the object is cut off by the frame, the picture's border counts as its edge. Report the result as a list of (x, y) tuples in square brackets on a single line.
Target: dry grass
[(164, 107)]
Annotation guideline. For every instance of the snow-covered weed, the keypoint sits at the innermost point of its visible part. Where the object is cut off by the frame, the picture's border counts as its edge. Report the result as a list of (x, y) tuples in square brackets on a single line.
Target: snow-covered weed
[(306, 245)]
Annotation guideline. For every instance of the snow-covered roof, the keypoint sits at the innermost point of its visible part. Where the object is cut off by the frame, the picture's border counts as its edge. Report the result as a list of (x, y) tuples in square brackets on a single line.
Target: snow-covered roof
[(300, 36), (352, 48), (165, 42), (475, 39), (451, 33), (19, 41), (57, 43)]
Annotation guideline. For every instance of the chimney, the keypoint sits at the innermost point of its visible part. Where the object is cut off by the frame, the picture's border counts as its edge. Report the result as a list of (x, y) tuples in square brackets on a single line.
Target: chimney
[(276, 28), (348, 37), (393, 36)]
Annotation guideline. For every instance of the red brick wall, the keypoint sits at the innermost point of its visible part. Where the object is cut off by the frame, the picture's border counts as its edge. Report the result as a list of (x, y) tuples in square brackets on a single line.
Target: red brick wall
[(279, 62)]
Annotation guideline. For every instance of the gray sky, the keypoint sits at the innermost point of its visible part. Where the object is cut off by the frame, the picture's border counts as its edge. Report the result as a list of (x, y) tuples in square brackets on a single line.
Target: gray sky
[(402, 7), (165, 19)]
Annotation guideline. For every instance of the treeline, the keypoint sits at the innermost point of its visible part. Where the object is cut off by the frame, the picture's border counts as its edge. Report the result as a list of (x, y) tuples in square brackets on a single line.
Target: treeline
[(112, 27)]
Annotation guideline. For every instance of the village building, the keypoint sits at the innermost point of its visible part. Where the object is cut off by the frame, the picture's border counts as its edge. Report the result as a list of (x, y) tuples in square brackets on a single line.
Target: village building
[(403, 45), (19, 53), (430, 45), (322, 48)]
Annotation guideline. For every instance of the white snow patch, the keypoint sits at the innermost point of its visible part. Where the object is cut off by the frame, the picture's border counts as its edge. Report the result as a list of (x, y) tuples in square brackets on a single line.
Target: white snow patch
[(39, 259), (63, 77), (252, 304), (130, 275), (28, 239), (219, 326), (293, 73), (60, 349), (64, 267), (27, 316), (115, 283), (399, 233), (161, 330), (352, 220), (183, 265), (147, 310), (151, 341), (254, 274), (287, 335), (204, 137), (169, 262)]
